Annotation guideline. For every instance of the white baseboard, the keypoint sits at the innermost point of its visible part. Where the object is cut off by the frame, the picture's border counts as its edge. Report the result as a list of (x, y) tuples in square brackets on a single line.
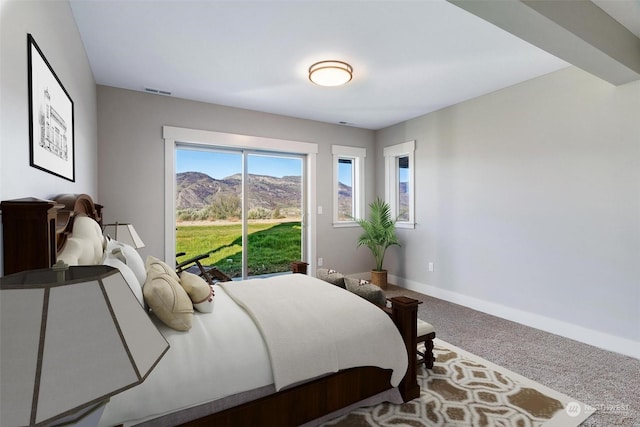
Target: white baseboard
[(568, 330)]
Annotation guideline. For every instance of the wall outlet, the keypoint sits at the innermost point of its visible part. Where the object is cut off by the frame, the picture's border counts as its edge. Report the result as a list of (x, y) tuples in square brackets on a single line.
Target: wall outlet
[(320, 262), (431, 266), (319, 210)]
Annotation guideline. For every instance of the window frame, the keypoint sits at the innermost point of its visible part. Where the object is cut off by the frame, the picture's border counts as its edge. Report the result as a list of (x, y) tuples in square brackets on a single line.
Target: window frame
[(357, 155), (391, 155), (175, 135)]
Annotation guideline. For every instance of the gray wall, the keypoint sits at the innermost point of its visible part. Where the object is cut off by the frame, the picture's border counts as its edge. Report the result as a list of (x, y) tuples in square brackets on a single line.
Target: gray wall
[(131, 171), (528, 204), (54, 29)]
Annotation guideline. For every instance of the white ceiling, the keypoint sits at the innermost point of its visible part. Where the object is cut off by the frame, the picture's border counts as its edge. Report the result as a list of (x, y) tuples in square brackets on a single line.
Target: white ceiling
[(409, 57)]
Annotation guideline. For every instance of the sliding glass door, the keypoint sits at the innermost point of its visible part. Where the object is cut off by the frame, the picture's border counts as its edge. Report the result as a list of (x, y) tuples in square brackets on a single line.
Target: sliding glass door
[(274, 208), (243, 208)]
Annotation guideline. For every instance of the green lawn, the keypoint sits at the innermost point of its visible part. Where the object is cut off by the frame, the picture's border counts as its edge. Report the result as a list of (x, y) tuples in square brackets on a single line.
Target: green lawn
[(272, 246)]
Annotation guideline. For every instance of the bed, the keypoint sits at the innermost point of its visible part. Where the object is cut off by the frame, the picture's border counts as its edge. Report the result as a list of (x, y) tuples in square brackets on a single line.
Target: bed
[(284, 350)]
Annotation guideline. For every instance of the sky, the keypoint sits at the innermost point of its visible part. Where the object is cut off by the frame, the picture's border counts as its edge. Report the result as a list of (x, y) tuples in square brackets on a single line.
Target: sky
[(220, 165)]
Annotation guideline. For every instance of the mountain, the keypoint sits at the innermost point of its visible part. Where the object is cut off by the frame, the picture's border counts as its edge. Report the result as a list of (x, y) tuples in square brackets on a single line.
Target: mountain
[(344, 201), (195, 190)]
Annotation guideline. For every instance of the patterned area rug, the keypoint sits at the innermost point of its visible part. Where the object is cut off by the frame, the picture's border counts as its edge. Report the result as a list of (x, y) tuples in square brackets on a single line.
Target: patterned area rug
[(463, 389)]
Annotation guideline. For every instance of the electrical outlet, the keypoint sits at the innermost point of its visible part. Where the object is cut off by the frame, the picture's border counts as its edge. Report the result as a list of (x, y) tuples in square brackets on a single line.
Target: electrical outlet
[(431, 266), (319, 210), (320, 262)]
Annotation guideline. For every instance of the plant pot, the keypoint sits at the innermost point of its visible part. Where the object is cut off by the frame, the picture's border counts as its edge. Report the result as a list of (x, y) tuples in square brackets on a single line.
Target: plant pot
[(379, 278)]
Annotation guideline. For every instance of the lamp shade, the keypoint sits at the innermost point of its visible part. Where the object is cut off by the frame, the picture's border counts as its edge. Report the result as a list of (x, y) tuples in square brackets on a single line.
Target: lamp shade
[(68, 344), (125, 233)]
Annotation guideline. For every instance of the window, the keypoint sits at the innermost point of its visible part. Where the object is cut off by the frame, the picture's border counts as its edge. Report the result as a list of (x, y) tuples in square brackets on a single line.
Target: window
[(348, 184), (399, 182), (346, 207), (175, 137), (251, 201)]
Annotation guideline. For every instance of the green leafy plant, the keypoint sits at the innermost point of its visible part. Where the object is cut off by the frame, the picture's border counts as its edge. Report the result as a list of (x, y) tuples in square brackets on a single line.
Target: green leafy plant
[(379, 230)]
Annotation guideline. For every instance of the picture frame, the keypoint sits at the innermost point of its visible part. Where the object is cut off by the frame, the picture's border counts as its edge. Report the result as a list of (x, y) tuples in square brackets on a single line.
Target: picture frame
[(51, 118)]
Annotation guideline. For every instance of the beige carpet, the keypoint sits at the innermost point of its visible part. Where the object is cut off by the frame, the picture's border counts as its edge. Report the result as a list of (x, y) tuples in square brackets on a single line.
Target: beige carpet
[(465, 390)]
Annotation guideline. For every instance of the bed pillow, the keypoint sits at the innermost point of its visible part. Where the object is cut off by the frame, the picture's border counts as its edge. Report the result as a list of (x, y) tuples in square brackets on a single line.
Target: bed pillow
[(160, 266), (366, 290), (131, 279), (200, 292), (168, 300), (85, 245), (129, 255), (330, 276)]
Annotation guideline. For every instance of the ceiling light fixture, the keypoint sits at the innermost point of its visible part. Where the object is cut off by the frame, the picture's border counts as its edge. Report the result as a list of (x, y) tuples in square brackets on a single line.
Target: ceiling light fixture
[(330, 73)]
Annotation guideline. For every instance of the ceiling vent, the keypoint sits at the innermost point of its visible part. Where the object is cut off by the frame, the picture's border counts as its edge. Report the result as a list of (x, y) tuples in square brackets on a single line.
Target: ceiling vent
[(157, 91)]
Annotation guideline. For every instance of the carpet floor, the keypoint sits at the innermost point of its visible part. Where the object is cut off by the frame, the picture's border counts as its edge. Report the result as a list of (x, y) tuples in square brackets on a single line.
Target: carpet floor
[(604, 380)]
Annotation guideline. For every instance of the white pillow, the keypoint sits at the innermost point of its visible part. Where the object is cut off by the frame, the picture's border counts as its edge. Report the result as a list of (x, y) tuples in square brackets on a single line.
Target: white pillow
[(130, 256), (72, 251), (85, 244), (128, 275), (111, 245), (168, 300), (200, 292), (158, 266)]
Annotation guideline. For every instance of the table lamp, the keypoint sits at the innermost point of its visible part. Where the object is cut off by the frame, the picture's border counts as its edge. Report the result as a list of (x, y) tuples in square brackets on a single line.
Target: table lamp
[(125, 233), (70, 338)]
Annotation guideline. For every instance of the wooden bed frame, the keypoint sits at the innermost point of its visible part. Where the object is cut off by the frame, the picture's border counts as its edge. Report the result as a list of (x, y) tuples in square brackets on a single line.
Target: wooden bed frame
[(34, 232)]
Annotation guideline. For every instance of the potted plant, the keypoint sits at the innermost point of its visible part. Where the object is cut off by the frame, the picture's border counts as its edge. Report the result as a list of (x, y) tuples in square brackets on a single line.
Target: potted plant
[(379, 232)]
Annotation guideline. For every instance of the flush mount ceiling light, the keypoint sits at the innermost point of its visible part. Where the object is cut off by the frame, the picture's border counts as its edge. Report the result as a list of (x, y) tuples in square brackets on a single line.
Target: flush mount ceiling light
[(330, 73)]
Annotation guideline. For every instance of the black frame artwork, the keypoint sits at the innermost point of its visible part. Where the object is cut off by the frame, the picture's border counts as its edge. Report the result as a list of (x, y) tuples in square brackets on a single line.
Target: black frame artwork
[(51, 125)]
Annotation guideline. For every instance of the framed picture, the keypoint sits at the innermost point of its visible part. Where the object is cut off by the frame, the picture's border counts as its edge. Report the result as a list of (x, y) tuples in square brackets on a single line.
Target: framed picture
[(51, 133)]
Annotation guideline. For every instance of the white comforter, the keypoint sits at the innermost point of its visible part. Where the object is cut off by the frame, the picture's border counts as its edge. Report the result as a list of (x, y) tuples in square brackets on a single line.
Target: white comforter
[(224, 353), (312, 328)]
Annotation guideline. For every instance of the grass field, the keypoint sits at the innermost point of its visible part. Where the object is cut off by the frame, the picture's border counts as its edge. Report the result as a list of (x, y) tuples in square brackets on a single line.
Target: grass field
[(272, 246)]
